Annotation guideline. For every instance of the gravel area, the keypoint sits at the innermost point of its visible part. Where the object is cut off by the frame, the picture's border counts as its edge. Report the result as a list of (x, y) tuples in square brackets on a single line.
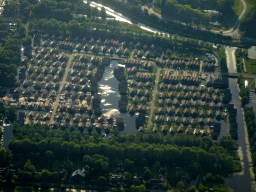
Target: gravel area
[(252, 52)]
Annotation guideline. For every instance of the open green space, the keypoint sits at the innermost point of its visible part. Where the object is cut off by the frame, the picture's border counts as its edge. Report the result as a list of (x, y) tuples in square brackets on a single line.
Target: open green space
[(250, 66), (238, 7)]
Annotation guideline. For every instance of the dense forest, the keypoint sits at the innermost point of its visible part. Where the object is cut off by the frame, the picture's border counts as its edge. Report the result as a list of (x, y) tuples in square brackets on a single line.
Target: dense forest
[(9, 60), (249, 114), (184, 12), (142, 155)]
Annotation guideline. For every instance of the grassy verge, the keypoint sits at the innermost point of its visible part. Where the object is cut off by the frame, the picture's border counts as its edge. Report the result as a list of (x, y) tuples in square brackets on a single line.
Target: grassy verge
[(154, 69), (237, 166), (250, 66), (157, 9), (238, 7)]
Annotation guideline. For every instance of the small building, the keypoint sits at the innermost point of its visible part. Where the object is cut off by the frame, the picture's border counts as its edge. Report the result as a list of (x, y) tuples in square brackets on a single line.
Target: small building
[(116, 178), (78, 175)]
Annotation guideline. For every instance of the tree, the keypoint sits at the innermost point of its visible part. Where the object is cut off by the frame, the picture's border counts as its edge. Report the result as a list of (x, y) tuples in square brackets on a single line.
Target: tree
[(45, 175), (27, 40), (140, 188), (145, 13), (102, 181), (228, 143), (12, 113), (49, 155), (103, 13), (147, 174), (29, 167), (128, 178), (2, 156)]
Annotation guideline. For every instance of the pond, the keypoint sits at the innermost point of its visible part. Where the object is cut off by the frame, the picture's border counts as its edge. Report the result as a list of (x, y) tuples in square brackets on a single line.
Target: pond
[(108, 88)]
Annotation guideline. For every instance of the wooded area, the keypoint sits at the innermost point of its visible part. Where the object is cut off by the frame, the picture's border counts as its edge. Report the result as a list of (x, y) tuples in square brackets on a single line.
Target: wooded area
[(134, 154)]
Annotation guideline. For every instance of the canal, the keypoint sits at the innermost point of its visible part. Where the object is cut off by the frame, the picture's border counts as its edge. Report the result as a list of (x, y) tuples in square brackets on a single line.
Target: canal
[(108, 88)]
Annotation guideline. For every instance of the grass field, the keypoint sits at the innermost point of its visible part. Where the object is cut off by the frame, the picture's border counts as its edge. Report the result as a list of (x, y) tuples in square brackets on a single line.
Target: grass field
[(238, 7), (250, 66)]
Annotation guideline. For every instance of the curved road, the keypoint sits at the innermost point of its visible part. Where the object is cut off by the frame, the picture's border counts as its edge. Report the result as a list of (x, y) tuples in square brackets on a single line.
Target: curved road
[(234, 30), (231, 32)]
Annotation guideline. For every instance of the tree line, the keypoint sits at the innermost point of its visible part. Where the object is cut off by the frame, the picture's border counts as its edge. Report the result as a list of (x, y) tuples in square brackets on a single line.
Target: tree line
[(84, 27), (184, 13), (250, 120), (223, 6), (55, 149), (9, 60), (244, 92)]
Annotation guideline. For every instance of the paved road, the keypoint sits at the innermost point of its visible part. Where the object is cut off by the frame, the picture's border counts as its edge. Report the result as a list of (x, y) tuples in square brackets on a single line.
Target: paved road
[(155, 91), (234, 30), (62, 83), (231, 61), (241, 182), (131, 56)]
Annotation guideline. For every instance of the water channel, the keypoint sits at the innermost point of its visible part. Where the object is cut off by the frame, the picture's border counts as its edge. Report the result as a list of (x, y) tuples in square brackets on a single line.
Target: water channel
[(120, 17), (108, 88)]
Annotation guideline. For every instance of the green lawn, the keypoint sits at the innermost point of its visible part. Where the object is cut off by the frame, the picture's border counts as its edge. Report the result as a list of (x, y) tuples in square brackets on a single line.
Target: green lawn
[(250, 3), (154, 69), (250, 66), (238, 7)]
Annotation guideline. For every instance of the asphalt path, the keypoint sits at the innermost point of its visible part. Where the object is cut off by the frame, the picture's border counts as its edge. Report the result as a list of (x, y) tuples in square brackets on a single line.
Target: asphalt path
[(155, 91), (243, 181), (62, 83)]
